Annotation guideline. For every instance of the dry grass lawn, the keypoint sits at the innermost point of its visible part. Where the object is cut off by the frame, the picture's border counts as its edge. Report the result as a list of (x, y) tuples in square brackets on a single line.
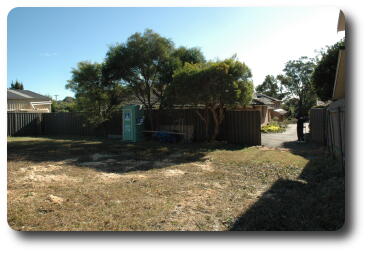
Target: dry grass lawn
[(89, 184)]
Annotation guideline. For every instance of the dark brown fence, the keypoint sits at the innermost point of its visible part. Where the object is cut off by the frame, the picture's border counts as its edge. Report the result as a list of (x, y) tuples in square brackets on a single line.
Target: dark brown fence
[(24, 124), (243, 127), (327, 127), (318, 125), (66, 123), (63, 123), (238, 127)]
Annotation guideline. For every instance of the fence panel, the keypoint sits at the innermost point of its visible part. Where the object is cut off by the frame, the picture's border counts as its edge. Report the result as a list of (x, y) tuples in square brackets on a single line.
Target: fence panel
[(24, 124), (67, 123), (243, 127), (318, 125), (327, 127)]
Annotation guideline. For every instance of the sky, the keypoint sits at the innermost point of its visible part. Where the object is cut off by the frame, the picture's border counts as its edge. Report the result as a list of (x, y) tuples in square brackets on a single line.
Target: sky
[(44, 44)]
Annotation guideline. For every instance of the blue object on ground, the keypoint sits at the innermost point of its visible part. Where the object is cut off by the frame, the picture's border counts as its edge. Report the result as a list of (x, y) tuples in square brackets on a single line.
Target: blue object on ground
[(165, 137)]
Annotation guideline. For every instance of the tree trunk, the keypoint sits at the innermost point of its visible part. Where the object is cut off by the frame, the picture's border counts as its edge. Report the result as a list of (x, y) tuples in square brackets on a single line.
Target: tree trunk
[(217, 119), (205, 121), (216, 124)]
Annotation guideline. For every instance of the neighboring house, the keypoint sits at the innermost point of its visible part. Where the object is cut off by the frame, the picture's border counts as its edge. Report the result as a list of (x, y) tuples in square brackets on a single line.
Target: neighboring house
[(27, 101), (269, 108)]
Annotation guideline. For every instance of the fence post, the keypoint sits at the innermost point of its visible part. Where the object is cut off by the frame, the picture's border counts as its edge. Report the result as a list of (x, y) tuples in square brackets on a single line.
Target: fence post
[(340, 137)]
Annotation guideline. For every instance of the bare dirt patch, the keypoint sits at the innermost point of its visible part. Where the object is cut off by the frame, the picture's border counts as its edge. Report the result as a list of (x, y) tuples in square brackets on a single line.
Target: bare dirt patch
[(188, 188), (173, 172), (206, 166), (55, 199)]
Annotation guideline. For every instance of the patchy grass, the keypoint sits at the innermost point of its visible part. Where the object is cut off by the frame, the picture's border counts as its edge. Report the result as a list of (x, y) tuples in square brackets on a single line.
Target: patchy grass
[(89, 184)]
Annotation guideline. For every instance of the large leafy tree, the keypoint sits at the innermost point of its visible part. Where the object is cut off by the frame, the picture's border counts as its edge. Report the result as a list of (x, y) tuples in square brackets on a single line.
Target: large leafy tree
[(17, 85), (189, 55), (297, 80), (94, 93), (271, 88), (142, 63), (214, 85), (179, 57), (323, 78)]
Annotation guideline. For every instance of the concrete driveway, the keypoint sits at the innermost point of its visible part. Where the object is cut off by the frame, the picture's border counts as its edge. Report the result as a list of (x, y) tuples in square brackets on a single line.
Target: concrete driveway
[(279, 139)]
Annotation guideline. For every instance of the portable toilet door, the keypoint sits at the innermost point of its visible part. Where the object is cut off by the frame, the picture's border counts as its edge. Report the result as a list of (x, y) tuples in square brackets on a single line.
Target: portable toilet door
[(128, 124)]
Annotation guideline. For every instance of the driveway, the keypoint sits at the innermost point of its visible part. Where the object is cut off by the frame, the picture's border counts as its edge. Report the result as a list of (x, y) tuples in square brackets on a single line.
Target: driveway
[(279, 139)]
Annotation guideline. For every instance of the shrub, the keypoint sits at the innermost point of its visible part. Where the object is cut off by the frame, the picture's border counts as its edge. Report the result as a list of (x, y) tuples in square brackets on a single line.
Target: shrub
[(273, 127)]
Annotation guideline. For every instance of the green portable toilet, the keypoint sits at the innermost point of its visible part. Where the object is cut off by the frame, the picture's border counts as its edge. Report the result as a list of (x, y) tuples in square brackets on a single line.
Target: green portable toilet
[(133, 123)]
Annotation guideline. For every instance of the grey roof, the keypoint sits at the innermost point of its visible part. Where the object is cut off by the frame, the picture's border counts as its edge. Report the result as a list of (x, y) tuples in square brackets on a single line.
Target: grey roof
[(25, 95), (262, 99)]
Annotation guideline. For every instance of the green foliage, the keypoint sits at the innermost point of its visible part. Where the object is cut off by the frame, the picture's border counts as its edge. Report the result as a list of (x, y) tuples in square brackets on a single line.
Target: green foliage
[(297, 80), (94, 93), (17, 85), (271, 88), (215, 85), (67, 105), (292, 107), (189, 55), (144, 64), (323, 78)]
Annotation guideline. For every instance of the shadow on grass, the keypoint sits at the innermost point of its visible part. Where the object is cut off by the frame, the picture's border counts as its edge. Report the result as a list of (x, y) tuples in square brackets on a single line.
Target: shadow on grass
[(109, 155), (315, 201)]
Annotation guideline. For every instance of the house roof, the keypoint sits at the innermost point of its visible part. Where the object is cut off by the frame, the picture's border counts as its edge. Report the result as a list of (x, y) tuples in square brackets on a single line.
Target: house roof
[(262, 99), (25, 95)]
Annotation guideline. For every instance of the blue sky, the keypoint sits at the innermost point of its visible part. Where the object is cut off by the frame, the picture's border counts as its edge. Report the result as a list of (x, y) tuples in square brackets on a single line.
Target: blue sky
[(44, 44)]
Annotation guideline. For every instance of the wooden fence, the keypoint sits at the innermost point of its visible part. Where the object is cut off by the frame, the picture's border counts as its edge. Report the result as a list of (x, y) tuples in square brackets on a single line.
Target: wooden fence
[(243, 127), (24, 124), (327, 127), (318, 125), (238, 127)]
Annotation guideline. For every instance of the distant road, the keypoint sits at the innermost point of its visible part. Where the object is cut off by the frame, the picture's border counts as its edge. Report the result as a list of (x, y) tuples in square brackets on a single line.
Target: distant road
[(278, 139)]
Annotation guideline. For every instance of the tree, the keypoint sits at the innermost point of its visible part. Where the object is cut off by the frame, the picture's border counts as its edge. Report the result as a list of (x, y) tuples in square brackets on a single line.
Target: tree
[(94, 93), (271, 88), (291, 106), (297, 80), (68, 104), (17, 85), (214, 85), (323, 78), (141, 64), (179, 57), (189, 55)]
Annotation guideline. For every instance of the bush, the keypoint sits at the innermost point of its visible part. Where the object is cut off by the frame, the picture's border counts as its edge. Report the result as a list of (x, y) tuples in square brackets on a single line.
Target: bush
[(273, 127)]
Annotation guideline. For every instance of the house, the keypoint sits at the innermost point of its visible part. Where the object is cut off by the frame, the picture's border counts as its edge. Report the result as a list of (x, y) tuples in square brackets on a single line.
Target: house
[(27, 101), (269, 108)]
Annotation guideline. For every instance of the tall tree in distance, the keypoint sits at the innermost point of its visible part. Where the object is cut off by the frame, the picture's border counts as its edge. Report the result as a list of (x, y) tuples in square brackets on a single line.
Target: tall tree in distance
[(297, 80), (17, 85), (323, 78), (271, 88)]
